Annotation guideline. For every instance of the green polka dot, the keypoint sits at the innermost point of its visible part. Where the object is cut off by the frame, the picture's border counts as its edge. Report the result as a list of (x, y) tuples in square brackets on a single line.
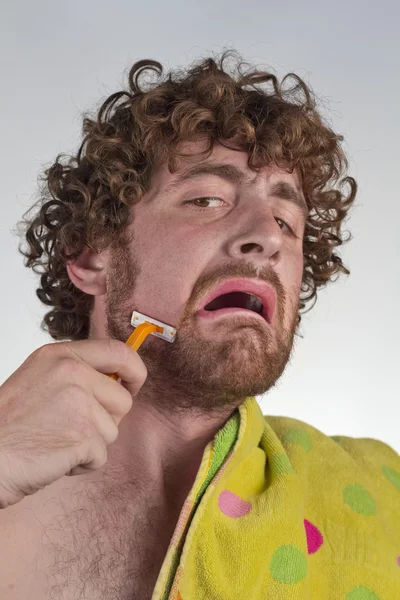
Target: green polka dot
[(361, 593), (280, 463), (288, 565), (298, 436), (359, 499), (336, 438), (392, 475)]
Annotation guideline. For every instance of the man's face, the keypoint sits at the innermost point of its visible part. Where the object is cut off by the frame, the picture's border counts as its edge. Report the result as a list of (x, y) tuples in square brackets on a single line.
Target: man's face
[(180, 249)]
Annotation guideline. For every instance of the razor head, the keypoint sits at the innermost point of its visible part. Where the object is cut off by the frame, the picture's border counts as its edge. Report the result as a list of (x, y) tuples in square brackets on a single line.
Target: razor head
[(168, 333)]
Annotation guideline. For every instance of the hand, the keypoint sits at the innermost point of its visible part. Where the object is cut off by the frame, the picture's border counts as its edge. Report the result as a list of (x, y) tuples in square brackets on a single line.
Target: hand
[(59, 412)]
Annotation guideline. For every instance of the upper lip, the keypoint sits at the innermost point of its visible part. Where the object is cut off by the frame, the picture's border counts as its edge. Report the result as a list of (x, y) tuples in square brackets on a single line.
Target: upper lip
[(252, 286)]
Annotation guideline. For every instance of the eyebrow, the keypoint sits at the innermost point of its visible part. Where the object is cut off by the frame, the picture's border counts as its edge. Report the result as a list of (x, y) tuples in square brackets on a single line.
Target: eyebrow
[(281, 189)]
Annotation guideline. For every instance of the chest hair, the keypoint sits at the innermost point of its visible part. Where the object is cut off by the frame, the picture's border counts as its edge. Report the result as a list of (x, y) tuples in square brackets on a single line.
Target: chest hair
[(107, 543)]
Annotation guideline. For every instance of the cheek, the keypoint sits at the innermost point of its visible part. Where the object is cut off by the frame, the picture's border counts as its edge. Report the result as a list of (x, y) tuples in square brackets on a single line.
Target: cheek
[(293, 277), (298, 266)]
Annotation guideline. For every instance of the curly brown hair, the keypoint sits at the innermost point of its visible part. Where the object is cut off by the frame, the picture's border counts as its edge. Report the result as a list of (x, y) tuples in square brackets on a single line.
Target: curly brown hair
[(86, 200)]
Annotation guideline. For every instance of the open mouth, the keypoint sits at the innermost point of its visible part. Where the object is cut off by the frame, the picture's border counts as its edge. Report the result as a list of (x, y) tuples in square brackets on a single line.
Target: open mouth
[(233, 302), (236, 300)]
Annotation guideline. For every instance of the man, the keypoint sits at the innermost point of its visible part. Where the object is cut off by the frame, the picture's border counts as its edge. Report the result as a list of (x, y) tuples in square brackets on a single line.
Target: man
[(183, 489)]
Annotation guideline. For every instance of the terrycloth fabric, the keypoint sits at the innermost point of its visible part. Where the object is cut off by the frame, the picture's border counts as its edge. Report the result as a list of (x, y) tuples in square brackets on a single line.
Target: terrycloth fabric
[(281, 511)]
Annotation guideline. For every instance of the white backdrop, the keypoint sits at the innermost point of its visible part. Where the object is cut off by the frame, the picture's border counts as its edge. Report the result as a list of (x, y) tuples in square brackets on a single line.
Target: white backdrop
[(59, 59)]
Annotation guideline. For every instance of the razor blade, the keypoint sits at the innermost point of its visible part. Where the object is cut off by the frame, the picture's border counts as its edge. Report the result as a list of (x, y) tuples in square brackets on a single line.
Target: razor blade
[(168, 334)]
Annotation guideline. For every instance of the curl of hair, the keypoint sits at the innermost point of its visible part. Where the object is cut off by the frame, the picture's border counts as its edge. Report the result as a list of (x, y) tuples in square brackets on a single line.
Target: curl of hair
[(85, 201)]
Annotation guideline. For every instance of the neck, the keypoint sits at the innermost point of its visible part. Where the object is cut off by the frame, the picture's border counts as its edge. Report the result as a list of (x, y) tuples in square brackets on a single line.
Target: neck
[(165, 450)]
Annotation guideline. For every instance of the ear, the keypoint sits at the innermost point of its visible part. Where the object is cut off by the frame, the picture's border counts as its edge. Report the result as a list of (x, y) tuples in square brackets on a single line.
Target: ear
[(88, 272)]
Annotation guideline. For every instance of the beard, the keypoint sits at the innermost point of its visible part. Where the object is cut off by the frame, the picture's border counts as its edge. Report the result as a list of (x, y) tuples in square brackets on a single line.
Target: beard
[(201, 373)]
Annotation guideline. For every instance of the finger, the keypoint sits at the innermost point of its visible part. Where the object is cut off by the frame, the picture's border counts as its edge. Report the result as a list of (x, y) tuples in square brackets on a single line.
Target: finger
[(108, 356), (105, 423), (96, 457), (112, 396)]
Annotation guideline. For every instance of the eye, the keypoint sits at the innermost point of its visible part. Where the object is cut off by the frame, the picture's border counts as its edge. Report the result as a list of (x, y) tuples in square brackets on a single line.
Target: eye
[(288, 226), (205, 199), (209, 198)]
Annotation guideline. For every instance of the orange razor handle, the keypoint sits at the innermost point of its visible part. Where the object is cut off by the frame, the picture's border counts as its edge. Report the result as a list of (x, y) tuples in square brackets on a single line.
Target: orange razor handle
[(137, 338)]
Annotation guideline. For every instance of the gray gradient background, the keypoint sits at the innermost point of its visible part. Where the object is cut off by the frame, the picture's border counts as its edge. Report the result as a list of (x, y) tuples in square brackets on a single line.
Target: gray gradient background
[(59, 59)]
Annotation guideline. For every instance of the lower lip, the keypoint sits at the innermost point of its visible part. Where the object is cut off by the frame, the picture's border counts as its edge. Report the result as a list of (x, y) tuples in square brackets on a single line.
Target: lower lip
[(213, 315)]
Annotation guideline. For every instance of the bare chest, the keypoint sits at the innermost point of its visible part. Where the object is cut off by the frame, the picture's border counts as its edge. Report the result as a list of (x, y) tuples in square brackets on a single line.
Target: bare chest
[(98, 546), (115, 552)]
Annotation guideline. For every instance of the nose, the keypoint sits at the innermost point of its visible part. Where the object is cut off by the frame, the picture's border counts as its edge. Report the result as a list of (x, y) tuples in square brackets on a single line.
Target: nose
[(257, 232)]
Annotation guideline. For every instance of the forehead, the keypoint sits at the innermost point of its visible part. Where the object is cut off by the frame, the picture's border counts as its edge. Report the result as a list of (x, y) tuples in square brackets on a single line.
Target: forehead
[(220, 154)]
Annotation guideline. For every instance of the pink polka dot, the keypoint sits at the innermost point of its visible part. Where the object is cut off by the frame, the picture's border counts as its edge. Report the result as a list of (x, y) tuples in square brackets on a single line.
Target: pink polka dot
[(233, 506), (314, 537), (398, 561)]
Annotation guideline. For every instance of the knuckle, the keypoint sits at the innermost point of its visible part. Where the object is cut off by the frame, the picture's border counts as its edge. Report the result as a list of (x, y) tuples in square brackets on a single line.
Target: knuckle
[(93, 454), (138, 379), (138, 365), (117, 348), (126, 400), (127, 355), (43, 353), (70, 369), (81, 426), (142, 373), (73, 404), (101, 453), (114, 431)]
